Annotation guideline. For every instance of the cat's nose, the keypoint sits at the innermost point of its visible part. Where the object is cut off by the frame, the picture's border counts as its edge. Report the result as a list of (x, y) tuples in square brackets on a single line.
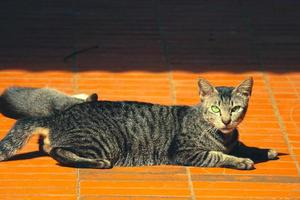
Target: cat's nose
[(226, 121)]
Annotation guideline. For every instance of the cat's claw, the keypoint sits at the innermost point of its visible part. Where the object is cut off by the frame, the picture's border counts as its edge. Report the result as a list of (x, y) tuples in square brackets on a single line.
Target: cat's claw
[(245, 163), (272, 154), (103, 164)]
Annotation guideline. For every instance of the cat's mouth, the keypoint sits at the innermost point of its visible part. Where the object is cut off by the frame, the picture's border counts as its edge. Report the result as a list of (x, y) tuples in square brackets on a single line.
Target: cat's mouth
[(226, 130)]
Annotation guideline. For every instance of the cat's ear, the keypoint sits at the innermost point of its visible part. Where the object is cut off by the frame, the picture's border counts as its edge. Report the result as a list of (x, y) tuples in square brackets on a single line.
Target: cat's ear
[(205, 88), (245, 88)]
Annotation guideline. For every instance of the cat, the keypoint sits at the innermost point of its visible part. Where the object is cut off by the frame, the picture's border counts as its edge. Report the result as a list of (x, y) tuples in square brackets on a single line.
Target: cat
[(127, 133), (20, 102)]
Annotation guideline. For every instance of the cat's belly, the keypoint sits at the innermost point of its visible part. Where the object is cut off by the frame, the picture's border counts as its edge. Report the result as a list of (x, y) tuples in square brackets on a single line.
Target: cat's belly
[(141, 160), (120, 151), (139, 154)]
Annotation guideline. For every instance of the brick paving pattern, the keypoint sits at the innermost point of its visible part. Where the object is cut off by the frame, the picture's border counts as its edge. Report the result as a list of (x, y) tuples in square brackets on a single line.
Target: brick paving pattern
[(154, 51)]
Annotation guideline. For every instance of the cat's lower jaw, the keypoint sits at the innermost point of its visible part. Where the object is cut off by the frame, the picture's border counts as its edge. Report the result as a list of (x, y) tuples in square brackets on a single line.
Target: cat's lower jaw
[(226, 130)]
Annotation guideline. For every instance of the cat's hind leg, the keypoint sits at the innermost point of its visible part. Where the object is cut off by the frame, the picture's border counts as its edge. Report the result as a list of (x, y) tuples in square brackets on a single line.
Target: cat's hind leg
[(68, 158)]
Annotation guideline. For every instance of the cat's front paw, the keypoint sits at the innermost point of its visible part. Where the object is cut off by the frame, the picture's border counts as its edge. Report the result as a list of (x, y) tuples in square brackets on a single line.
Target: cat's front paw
[(245, 163), (272, 154)]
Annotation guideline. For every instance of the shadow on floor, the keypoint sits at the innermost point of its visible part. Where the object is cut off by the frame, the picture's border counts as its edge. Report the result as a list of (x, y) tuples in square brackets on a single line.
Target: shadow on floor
[(36, 154), (156, 35), (26, 156)]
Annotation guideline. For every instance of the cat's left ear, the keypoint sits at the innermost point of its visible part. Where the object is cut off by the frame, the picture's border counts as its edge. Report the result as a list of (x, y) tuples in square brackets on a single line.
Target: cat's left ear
[(245, 88)]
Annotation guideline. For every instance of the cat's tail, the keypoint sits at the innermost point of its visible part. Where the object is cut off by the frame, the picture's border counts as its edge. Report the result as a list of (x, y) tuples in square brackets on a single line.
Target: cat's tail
[(7, 105), (19, 135)]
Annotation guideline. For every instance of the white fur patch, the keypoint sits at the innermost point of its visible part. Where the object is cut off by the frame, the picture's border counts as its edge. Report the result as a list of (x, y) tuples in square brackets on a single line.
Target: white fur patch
[(81, 96), (44, 132)]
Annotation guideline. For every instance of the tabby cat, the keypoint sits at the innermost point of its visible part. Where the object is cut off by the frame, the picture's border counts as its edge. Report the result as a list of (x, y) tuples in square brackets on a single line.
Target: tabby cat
[(106, 134), (20, 102)]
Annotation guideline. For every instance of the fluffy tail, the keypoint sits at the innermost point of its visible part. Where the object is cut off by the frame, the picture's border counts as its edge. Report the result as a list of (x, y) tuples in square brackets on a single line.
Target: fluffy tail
[(19, 135), (7, 106)]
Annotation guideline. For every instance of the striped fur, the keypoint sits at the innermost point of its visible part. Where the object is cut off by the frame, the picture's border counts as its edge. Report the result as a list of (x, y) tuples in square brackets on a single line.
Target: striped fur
[(106, 134)]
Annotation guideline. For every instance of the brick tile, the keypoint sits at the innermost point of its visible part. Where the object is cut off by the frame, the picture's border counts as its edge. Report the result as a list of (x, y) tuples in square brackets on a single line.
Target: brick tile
[(150, 197), (135, 177), (47, 169), (199, 170), (133, 184), (38, 175), (241, 193), (162, 169), (261, 169), (32, 191), (37, 184), (38, 196), (250, 186), (134, 192)]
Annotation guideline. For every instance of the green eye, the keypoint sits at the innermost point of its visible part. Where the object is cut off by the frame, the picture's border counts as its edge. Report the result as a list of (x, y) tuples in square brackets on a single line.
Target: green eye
[(236, 108), (215, 109)]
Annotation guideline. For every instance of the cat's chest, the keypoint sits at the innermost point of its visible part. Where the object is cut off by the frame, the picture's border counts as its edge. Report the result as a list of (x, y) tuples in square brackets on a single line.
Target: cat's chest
[(226, 142), (230, 141), (217, 141)]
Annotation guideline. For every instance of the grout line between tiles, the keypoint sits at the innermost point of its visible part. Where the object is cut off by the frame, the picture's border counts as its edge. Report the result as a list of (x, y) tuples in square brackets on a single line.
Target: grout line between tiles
[(280, 122), (75, 82), (190, 182), (253, 47), (78, 184), (75, 72), (172, 87), (165, 51)]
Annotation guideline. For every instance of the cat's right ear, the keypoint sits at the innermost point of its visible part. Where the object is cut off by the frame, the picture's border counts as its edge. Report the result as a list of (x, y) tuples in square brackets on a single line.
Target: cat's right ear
[(205, 88)]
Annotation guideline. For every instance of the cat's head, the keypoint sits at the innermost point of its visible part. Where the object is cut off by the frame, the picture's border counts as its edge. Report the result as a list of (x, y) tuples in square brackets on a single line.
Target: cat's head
[(225, 107)]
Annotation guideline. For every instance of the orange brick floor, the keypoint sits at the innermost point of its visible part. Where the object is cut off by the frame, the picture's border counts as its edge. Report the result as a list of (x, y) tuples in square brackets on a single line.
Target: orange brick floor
[(154, 51)]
